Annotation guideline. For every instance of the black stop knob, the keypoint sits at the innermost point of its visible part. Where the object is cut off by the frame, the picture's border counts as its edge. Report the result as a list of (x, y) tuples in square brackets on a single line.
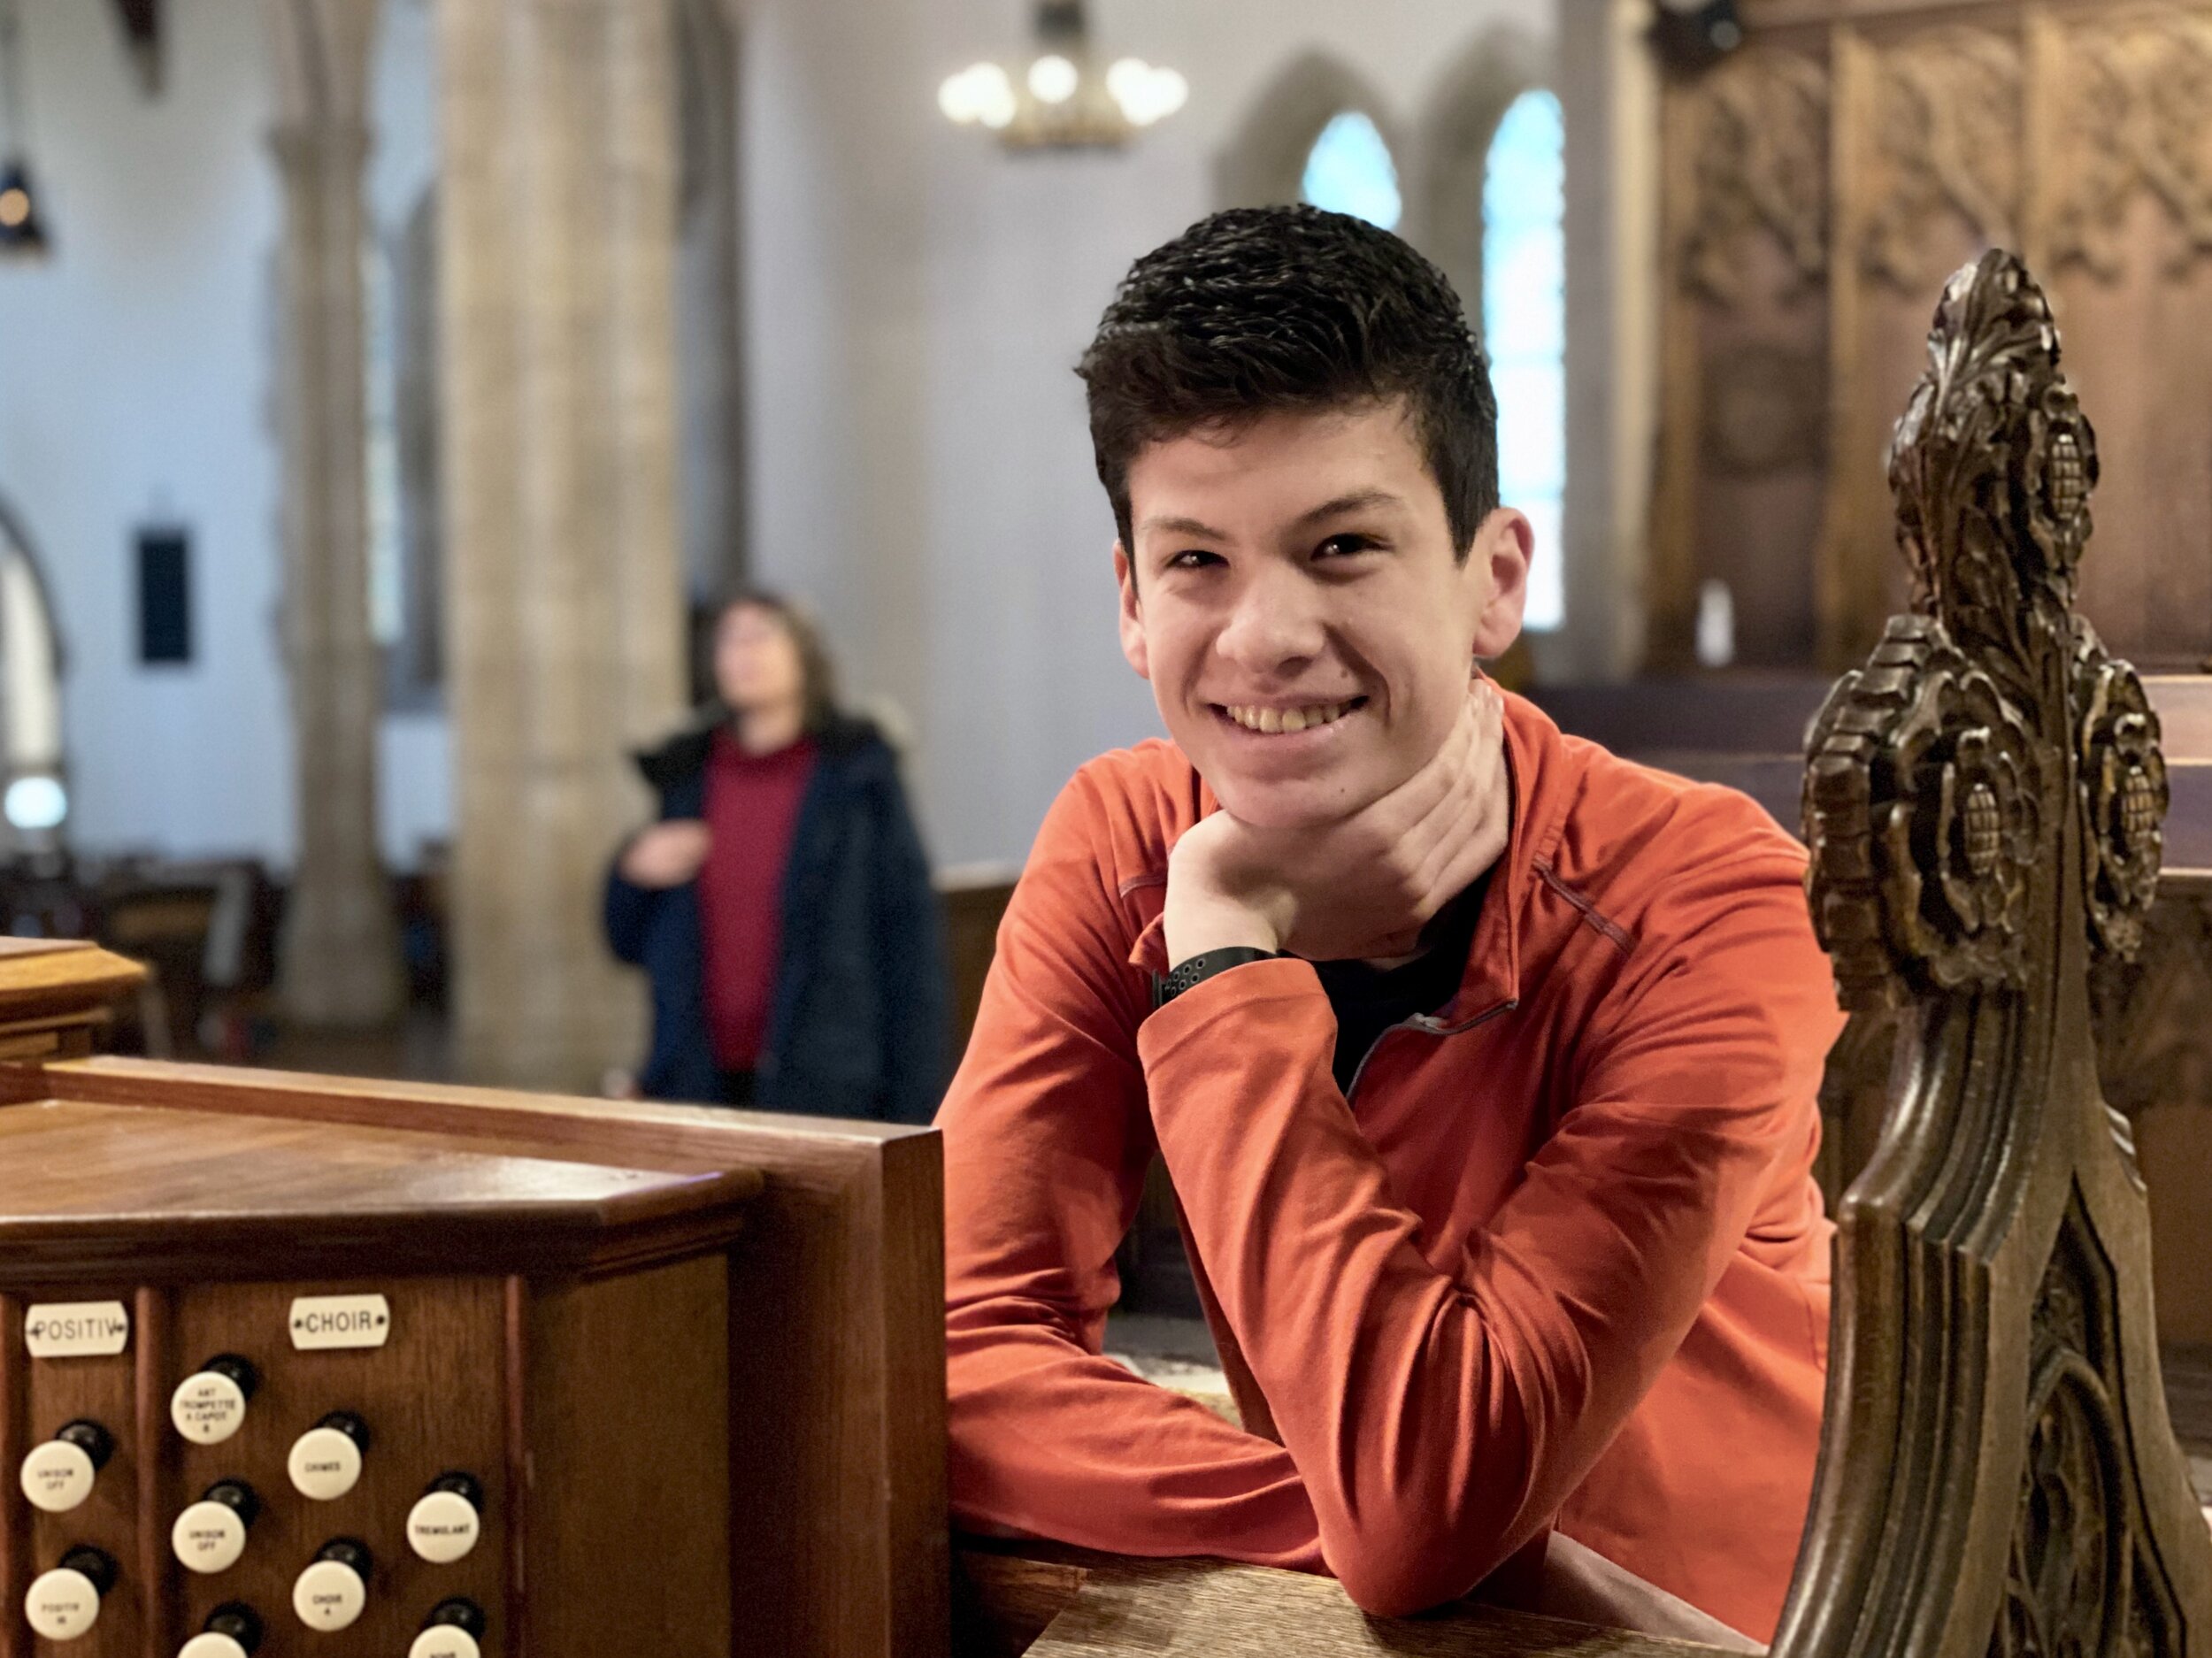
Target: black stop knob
[(237, 1495), (459, 1613), (239, 1370), (237, 1620), (90, 1438), (98, 1566), (347, 1551)]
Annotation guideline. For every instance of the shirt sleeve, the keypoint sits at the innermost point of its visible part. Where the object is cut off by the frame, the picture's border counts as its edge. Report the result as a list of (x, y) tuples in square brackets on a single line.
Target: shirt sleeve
[(1440, 1417), (1046, 1140)]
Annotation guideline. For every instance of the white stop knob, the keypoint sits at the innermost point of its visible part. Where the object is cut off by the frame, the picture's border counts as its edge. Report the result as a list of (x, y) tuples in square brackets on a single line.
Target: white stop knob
[(58, 1476), (325, 1464), (329, 1595), (443, 1527), (448, 1640), (209, 1537), (207, 1406), (62, 1604), (212, 1646)]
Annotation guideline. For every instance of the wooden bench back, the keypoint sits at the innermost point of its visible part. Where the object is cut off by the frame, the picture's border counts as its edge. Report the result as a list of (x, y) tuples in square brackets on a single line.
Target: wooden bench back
[(1983, 800)]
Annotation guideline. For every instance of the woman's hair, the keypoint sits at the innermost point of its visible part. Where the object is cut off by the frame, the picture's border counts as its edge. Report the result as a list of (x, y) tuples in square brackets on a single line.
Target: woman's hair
[(818, 676)]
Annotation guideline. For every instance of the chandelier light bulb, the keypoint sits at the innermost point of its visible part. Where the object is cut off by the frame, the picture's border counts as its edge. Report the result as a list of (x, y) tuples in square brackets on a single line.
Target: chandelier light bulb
[(953, 97), (1053, 79), (982, 92), (994, 95), (15, 207), (1146, 95)]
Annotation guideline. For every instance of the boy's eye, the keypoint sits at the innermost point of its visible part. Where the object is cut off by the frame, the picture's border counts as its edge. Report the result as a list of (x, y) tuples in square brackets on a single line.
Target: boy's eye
[(1192, 559), (1339, 546)]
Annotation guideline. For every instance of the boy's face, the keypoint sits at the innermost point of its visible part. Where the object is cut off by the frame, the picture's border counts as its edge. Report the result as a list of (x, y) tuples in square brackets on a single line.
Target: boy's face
[(1294, 598)]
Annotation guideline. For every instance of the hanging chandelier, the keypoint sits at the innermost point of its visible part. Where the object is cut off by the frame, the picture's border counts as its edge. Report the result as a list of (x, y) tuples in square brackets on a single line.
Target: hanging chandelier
[(22, 233), (1058, 99)]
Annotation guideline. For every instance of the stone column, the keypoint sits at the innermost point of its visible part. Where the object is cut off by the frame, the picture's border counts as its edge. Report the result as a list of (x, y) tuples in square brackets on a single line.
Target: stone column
[(339, 949), (563, 598), (1609, 95)]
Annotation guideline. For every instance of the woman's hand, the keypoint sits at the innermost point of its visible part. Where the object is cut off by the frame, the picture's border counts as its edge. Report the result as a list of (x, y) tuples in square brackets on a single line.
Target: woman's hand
[(666, 854)]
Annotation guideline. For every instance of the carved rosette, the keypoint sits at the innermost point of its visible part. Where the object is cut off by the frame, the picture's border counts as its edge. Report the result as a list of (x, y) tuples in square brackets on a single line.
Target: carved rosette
[(1925, 823), (2124, 797)]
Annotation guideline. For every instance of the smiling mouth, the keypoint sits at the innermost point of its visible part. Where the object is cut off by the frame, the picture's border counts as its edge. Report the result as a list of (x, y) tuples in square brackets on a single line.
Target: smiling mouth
[(1282, 721)]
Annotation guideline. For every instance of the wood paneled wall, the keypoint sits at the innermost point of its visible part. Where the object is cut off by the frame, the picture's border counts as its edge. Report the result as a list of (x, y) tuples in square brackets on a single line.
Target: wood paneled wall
[(1819, 184)]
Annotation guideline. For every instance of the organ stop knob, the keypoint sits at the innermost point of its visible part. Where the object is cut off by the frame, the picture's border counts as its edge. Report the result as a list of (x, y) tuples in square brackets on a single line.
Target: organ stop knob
[(331, 1591), (443, 1525), (65, 1603), (211, 1535), (325, 1461), (210, 1404), (57, 1475)]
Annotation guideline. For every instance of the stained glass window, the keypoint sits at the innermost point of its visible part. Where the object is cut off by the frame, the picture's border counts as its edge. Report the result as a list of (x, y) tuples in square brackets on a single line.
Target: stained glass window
[(1524, 327), (1349, 170)]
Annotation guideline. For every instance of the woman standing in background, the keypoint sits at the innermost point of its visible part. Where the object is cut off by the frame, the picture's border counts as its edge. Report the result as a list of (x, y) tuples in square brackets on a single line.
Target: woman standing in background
[(782, 908)]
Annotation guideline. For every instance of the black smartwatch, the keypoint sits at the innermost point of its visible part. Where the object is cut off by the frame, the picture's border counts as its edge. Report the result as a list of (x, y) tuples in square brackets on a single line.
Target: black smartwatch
[(1166, 986)]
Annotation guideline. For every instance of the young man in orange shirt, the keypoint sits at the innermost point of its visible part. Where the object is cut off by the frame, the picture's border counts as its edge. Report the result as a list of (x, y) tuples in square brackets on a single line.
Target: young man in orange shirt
[(1484, 1063)]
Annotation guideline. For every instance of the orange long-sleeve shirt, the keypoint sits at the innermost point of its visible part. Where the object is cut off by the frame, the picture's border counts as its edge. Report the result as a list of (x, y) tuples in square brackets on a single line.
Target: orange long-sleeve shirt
[(1559, 1259)]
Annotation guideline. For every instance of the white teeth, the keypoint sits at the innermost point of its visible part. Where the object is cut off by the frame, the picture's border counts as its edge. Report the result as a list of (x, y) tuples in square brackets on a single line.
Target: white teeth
[(1275, 720)]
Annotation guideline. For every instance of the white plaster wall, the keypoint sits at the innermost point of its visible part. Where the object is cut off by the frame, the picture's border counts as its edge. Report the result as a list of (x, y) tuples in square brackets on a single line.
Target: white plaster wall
[(137, 366), (132, 384), (916, 301)]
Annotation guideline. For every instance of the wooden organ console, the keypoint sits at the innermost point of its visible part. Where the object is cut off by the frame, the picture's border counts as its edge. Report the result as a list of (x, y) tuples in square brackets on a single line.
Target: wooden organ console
[(293, 1367)]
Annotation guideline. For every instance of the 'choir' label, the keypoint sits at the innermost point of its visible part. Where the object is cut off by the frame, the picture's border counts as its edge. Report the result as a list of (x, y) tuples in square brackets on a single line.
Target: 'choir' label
[(319, 1321)]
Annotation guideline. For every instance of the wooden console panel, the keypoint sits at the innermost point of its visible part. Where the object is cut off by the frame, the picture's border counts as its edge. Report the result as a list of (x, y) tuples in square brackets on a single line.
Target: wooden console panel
[(692, 1359)]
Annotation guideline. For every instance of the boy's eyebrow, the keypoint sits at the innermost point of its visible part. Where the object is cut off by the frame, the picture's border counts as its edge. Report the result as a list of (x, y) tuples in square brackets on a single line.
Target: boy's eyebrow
[(1182, 526), (1354, 503)]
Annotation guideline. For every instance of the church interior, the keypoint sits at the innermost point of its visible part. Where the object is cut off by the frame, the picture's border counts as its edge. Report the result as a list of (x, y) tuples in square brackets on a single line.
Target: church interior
[(507, 338)]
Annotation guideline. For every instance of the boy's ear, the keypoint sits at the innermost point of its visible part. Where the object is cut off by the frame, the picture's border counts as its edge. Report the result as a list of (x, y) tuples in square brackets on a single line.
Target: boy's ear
[(1132, 614), (1498, 565)]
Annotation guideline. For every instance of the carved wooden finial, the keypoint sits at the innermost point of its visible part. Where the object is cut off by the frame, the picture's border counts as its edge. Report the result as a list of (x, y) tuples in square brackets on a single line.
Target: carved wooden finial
[(1983, 803), (1940, 772)]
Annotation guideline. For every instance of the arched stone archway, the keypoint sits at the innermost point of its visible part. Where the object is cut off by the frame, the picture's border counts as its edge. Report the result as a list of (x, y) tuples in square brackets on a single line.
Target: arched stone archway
[(1264, 163), (1451, 150), (32, 660)]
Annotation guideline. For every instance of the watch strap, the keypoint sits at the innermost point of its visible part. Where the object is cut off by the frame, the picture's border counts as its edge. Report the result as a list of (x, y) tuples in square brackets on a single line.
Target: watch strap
[(1197, 969)]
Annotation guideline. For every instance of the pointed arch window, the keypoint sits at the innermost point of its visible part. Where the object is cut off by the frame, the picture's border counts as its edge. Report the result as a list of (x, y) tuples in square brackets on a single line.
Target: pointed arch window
[(1525, 328), (1349, 170)]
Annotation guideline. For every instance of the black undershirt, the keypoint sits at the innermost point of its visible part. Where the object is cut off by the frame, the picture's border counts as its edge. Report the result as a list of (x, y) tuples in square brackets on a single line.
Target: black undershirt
[(1369, 1000)]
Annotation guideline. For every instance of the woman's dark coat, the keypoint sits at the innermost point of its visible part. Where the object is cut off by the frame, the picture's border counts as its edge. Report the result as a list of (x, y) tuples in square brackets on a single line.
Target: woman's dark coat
[(858, 1023)]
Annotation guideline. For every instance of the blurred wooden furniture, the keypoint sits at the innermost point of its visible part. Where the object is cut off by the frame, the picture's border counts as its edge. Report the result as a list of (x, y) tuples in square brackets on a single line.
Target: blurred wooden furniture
[(973, 898), (1817, 183), (683, 1368)]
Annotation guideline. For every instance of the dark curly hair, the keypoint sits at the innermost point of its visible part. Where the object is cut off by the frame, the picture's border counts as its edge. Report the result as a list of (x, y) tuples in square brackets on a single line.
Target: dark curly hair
[(1261, 308)]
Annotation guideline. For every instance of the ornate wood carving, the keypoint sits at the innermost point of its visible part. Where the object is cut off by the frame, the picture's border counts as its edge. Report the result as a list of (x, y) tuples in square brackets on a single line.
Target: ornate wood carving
[(2135, 117), (1946, 142), (1998, 1474), (1761, 147)]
